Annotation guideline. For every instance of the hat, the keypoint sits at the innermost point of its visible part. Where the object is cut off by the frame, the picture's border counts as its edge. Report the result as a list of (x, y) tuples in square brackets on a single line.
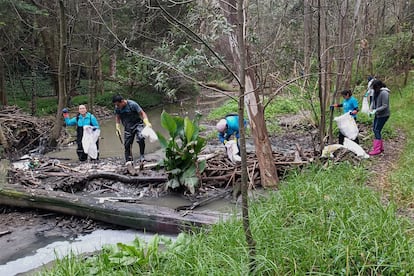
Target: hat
[(221, 125)]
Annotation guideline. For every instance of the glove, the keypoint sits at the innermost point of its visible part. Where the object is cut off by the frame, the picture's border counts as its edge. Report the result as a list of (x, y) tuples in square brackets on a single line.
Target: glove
[(331, 107), (372, 112), (65, 112), (147, 123), (366, 94), (118, 129), (225, 142), (94, 128)]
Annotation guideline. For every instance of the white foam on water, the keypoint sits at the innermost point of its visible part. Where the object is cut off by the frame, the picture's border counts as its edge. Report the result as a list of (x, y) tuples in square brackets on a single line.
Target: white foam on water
[(83, 244)]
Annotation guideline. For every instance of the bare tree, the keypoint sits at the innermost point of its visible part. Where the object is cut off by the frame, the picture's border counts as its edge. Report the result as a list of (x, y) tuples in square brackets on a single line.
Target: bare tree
[(61, 75)]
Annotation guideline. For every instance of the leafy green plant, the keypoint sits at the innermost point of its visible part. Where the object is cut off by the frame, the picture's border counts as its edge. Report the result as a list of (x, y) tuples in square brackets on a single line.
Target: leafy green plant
[(181, 150)]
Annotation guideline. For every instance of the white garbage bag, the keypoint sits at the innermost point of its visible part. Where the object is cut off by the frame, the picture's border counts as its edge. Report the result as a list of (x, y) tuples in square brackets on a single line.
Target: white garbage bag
[(90, 136), (355, 148), (329, 149), (232, 151), (149, 133), (347, 126), (365, 105)]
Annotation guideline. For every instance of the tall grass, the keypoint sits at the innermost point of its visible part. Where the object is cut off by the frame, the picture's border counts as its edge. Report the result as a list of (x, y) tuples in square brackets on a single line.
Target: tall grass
[(401, 181), (322, 221)]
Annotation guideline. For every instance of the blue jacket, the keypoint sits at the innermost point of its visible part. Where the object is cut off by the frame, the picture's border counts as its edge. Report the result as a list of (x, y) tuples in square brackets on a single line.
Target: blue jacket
[(232, 128), (80, 121), (350, 105)]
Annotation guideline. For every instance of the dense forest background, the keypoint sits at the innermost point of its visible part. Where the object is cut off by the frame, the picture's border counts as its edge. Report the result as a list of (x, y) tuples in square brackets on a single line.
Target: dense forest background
[(310, 49)]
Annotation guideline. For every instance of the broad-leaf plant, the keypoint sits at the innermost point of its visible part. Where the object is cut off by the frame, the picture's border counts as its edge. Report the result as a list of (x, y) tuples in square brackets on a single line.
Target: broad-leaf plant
[(181, 151)]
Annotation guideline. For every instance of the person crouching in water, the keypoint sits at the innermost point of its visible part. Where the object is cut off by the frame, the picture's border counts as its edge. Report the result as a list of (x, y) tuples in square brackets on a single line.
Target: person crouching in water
[(227, 127), (83, 118), (350, 105)]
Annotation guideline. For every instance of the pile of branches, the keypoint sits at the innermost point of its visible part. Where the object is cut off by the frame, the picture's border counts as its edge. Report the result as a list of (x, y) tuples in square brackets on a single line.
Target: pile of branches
[(21, 133), (220, 172)]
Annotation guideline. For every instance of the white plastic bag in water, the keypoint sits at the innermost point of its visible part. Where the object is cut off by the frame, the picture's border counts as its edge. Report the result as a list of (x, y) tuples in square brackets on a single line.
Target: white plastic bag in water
[(232, 151), (149, 133), (90, 136), (365, 105), (347, 126)]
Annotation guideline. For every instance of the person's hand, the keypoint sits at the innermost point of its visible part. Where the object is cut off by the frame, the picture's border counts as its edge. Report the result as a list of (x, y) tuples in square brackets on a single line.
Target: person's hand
[(353, 112), (118, 129), (372, 112), (331, 107), (366, 94), (147, 123), (65, 112), (225, 142)]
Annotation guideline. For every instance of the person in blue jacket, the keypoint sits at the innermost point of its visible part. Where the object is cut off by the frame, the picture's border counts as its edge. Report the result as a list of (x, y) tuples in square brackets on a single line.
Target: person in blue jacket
[(227, 127), (350, 105), (83, 118)]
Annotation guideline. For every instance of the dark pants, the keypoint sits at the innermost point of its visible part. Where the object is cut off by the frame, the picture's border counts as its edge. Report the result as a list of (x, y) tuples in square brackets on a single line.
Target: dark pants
[(129, 140), (378, 126), (82, 155), (79, 151), (341, 137)]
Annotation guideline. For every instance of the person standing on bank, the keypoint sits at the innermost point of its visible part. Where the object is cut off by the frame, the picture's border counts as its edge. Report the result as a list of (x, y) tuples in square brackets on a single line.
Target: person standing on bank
[(350, 105), (380, 109), (133, 119), (83, 118)]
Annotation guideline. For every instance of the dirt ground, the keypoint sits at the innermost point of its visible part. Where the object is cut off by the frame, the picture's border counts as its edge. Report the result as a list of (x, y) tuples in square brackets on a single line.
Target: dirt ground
[(21, 230)]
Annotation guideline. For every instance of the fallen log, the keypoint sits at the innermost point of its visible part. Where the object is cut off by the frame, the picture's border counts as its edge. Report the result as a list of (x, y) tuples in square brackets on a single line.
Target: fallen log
[(149, 218)]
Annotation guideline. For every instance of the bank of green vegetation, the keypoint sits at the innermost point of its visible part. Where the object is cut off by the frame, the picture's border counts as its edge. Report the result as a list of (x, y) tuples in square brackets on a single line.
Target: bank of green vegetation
[(323, 220)]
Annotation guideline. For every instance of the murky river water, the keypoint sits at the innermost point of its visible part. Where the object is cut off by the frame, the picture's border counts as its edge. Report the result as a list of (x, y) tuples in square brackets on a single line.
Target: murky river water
[(110, 145), (44, 250)]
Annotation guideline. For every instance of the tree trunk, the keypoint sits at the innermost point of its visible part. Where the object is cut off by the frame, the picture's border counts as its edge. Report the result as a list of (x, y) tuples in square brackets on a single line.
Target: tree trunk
[(61, 76), (254, 106), (323, 81), (3, 92), (307, 36), (150, 218), (242, 49)]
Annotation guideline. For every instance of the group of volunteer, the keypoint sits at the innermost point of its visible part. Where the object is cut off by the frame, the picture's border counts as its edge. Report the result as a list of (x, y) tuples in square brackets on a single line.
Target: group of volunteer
[(134, 120)]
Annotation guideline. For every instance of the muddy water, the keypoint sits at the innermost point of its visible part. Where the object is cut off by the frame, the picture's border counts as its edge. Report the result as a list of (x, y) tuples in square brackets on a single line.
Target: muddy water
[(110, 145)]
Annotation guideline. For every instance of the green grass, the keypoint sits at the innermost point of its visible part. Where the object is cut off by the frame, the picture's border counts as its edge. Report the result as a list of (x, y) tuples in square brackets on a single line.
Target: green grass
[(401, 181), (323, 220), (276, 107)]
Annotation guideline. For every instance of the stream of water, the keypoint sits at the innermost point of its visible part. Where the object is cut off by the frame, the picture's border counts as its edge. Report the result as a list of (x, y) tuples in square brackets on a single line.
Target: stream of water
[(45, 251)]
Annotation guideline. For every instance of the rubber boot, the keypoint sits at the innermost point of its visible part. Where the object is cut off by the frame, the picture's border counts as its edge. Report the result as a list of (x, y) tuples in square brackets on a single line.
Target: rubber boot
[(376, 148), (382, 145)]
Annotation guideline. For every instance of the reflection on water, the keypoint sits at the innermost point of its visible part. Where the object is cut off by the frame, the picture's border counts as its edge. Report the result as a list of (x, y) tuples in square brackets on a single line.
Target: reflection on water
[(83, 244), (110, 145)]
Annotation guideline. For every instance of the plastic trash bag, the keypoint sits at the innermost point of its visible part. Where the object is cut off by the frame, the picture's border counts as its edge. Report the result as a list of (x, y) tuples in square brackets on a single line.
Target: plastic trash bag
[(365, 105), (149, 133), (347, 126), (90, 136), (355, 148), (232, 151), (329, 149)]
